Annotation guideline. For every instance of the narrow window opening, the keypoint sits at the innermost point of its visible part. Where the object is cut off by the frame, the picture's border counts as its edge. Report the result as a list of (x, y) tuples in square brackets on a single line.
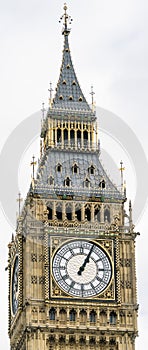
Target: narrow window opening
[(49, 213), (59, 212), (78, 215), (88, 214)]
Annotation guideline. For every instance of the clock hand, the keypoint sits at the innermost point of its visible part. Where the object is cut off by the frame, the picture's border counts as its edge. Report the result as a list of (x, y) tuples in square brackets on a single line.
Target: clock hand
[(81, 269)]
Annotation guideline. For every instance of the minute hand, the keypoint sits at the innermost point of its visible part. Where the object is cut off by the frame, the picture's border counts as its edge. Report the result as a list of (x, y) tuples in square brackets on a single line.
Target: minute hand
[(81, 269)]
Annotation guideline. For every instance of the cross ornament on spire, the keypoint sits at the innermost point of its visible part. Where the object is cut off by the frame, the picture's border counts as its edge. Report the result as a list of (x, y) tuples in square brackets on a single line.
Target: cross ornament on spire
[(33, 163), (121, 170), (92, 93), (19, 200), (66, 19), (50, 97)]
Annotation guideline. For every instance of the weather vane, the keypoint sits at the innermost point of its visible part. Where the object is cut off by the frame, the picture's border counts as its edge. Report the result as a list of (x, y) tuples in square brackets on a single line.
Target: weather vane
[(66, 19)]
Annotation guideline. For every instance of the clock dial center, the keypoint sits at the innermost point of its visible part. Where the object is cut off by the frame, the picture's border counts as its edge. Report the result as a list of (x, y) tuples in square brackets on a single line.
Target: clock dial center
[(88, 273)]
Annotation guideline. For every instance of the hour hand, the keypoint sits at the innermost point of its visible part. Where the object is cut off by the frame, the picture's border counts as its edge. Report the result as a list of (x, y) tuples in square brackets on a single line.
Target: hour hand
[(81, 269)]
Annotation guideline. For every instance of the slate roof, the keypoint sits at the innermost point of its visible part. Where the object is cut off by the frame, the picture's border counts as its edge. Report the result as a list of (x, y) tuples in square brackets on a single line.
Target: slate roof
[(67, 159), (69, 95)]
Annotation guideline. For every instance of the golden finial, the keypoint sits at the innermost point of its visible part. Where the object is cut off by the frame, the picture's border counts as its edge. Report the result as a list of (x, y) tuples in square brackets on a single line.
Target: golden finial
[(66, 19)]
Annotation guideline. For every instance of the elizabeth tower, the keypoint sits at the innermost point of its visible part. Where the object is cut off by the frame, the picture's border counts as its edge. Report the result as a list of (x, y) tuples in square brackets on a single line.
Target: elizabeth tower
[(72, 280)]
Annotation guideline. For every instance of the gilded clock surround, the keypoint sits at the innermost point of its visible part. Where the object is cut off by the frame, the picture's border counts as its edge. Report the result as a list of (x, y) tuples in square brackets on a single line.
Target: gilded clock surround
[(72, 198)]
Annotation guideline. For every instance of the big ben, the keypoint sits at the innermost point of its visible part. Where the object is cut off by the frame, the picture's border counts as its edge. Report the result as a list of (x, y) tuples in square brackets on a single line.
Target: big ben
[(72, 278)]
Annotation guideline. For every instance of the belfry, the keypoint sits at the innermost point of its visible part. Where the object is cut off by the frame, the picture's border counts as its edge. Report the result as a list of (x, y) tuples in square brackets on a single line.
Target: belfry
[(72, 278)]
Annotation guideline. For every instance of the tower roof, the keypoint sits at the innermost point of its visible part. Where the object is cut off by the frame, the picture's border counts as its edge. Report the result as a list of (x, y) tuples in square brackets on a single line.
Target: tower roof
[(69, 95)]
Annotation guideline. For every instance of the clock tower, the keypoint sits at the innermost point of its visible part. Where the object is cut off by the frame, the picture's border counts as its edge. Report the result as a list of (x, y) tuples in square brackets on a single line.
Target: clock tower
[(72, 280)]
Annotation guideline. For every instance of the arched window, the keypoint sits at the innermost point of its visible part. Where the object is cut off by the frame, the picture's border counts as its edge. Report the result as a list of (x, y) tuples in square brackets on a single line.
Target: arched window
[(65, 134), (102, 184), (92, 316), (103, 317), (51, 180), (83, 316), (113, 317), (62, 315), (72, 315), (87, 183), (107, 215), (85, 135), (58, 135), (59, 212), (67, 182), (78, 213), (87, 213), (97, 214), (72, 135), (75, 169), (52, 314), (49, 213), (59, 168), (69, 212), (91, 170)]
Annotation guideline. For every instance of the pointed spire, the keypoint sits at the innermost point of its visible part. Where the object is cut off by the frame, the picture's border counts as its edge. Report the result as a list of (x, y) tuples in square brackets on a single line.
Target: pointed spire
[(69, 95)]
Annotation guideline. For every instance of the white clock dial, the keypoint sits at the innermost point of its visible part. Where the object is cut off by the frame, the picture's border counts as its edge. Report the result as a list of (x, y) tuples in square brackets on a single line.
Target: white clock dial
[(82, 268)]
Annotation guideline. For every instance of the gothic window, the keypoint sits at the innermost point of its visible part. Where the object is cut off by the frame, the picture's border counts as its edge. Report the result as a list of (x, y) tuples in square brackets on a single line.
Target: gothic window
[(52, 314), (113, 317), (65, 134), (69, 212), (87, 213), (59, 212), (62, 315), (91, 170), (97, 214), (85, 135), (92, 341), (107, 215), (67, 182), (102, 184), (70, 98), (78, 214), (122, 317), (75, 169), (72, 135), (87, 183), (103, 317), (83, 316), (92, 316), (58, 135), (73, 83), (80, 98), (62, 339), (72, 315), (51, 180), (49, 213), (59, 168), (64, 82)]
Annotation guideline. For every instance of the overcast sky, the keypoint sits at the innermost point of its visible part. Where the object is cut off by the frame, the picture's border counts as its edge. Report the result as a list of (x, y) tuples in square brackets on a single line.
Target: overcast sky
[(109, 45)]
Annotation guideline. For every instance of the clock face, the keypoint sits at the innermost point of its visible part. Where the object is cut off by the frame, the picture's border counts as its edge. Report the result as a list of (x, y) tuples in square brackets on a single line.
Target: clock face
[(82, 268), (15, 289)]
